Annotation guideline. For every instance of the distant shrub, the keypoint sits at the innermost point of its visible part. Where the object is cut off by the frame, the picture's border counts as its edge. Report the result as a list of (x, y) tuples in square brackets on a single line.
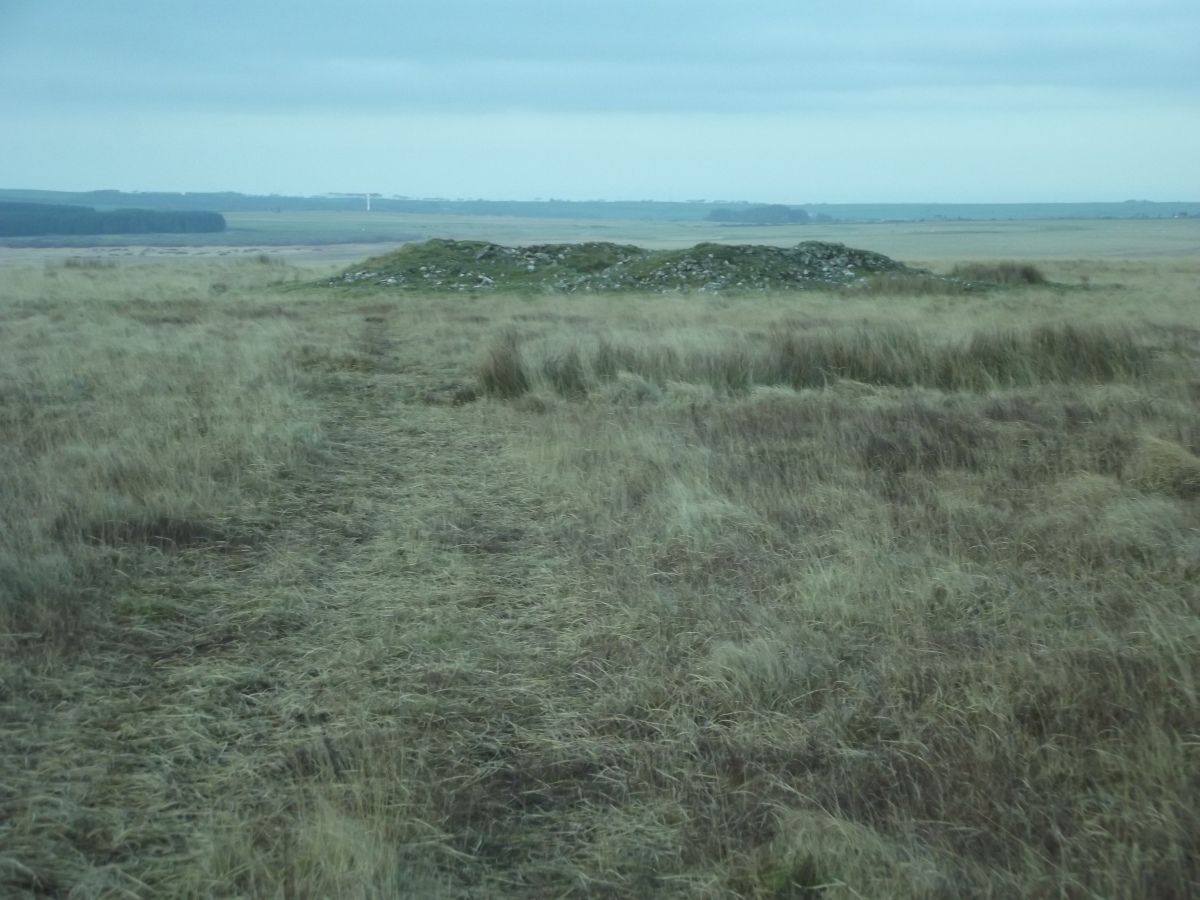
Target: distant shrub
[(1009, 273), (771, 214)]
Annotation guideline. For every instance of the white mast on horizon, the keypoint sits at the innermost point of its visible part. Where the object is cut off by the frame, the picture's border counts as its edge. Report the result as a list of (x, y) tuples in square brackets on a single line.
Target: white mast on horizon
[(368, 196)]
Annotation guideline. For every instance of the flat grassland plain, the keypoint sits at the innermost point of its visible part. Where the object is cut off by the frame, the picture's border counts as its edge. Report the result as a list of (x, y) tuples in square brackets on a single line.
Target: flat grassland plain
[(310, 592)]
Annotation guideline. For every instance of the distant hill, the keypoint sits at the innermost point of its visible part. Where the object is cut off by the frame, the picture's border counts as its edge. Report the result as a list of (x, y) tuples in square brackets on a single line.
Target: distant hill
[(645, 210), (37, 219)]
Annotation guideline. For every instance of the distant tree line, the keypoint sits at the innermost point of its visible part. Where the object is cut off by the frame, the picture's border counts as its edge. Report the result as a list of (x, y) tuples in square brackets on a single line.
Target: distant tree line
[(772, 214), (34, 219), (734, 211)]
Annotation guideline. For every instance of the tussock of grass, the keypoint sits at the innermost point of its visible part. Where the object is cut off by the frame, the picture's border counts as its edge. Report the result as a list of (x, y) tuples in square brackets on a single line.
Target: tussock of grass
[(566, 374), (873, 356), (502, 373), (1006, 273), (1052, 354), (886, 356), (1166, 466)]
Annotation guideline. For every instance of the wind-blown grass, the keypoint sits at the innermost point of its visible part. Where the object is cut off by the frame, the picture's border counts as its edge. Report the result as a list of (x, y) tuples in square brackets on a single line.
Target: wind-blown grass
[(846, 596), (882, 356)]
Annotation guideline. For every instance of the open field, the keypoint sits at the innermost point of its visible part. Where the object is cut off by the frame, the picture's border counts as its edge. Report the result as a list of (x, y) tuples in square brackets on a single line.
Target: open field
[(312, 593), (344, 237)]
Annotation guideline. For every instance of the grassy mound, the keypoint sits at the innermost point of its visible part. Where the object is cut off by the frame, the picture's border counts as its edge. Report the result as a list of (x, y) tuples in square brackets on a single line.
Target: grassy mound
[(446, 265)]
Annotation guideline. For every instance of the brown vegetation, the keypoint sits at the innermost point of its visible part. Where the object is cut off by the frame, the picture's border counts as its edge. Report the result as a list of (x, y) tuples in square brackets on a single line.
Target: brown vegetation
[(1012, 273), (308, 593)]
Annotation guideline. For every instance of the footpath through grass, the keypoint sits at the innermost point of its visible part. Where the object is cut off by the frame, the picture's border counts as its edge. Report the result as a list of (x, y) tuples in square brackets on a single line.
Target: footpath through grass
[(309, 594)]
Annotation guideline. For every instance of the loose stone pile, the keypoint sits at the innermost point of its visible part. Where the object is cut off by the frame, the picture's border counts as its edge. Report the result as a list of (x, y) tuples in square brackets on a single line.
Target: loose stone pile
[(445, 265)]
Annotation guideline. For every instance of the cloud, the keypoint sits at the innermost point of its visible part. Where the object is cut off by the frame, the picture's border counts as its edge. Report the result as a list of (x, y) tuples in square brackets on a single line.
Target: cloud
[(620, 55), (924, 100)]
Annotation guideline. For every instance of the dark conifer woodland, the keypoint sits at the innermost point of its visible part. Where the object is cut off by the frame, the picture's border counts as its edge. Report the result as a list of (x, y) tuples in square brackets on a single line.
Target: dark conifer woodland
[(32, 219)]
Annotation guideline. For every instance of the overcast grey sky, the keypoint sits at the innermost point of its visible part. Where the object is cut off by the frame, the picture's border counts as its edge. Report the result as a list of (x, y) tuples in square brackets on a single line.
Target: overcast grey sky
[(795, 102)]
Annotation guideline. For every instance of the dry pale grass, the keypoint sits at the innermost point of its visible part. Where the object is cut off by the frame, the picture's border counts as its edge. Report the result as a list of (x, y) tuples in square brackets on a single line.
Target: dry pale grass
[(311, 594)]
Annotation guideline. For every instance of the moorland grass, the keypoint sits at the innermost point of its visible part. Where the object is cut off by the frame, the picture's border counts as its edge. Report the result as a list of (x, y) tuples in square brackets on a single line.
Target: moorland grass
[(831, 596), (808, 358), (1006, 272)]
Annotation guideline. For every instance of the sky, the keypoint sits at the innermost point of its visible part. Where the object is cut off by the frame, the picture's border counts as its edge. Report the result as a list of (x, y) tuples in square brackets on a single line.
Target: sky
[(781, 101)]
